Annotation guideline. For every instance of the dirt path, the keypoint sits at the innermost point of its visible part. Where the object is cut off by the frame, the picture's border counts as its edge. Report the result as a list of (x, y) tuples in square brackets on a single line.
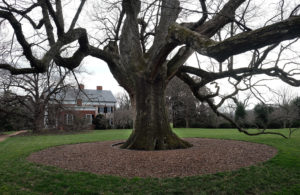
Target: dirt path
[(4, 137)]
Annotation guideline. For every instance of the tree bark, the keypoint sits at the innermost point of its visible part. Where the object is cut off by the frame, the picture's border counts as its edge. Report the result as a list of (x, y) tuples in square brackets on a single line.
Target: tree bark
[(152, 129), (38, 123), (187, 124), (38, 118)]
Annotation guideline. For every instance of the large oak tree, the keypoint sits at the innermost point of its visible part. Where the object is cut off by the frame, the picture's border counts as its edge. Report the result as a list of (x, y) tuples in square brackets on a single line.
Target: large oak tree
[(147, 46)]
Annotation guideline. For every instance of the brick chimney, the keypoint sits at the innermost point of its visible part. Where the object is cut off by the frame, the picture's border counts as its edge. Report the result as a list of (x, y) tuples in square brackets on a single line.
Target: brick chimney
[(81, 86), (99, 88)]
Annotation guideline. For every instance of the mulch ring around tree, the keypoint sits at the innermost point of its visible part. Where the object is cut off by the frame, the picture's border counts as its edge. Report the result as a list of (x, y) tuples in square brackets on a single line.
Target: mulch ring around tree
[(205, 157)]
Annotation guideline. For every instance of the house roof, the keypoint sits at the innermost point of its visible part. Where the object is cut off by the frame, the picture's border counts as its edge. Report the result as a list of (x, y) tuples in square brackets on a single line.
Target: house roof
[(89, 95)]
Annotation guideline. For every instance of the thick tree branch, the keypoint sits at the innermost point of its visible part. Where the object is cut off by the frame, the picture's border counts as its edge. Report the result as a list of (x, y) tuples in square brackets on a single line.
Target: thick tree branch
[(57, 16), (24, 14), (74, 61), (130, 47), (115, 65), (204, 16), (22, 40), (48, 25), (160, 48), (176, 62), (240, 73), (211, 27), (117, 30), (272, 34), (223, 17), (16, 71), (77, 15)]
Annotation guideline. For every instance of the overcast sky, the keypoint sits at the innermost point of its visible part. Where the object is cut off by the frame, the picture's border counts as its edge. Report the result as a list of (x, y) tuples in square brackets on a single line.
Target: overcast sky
[(97, 74)]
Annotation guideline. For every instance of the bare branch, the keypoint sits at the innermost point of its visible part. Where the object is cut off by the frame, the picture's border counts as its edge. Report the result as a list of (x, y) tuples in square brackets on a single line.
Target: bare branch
[(77, 15)]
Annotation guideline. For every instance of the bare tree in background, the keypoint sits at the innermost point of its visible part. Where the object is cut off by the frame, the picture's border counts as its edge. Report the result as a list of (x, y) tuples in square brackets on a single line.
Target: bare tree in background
[(286, 112), (35, 93), (146, 45), (123, 112), (12, 113), (182, 102), (183, 106)]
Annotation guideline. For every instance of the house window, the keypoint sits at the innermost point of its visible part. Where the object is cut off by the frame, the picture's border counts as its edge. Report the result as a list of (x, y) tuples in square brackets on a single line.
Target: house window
[(89, 118), (69, 119), (105, 109), (108, 109), (101, 110), (112, 109)]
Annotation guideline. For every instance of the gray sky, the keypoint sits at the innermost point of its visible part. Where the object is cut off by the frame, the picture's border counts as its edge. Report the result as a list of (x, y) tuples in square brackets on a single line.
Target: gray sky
[(97, 74)]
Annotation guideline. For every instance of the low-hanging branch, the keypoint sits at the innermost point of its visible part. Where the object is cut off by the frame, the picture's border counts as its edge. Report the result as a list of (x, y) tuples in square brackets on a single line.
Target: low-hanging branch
[(208, 99)]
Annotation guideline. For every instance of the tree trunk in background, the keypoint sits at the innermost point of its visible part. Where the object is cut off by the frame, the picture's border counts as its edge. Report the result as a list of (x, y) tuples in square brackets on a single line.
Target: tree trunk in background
[(152, 129), (38, 119), (187, 124), (38, 124)]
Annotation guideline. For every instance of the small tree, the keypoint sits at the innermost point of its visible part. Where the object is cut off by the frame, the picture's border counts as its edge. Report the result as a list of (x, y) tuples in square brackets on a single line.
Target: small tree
[(296, 106), (123, 113), (13, 114), (262, 113), (240, 113), (296, 117), (181, 103), (37, 91)]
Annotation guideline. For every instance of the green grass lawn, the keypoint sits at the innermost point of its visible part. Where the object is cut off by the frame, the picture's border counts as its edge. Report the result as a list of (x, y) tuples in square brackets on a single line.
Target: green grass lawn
[(280, 175)]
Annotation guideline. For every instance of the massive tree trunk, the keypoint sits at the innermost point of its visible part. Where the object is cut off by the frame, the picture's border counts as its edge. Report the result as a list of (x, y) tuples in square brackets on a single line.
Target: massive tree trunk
[(147, 81), (152, 129)]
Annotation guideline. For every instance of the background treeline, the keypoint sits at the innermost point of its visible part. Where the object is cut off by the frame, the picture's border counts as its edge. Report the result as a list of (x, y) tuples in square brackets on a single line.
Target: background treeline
[(185, 111)]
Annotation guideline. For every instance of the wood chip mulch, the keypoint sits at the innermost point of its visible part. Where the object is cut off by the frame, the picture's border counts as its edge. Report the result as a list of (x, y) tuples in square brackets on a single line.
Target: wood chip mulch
[(205, 157)]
